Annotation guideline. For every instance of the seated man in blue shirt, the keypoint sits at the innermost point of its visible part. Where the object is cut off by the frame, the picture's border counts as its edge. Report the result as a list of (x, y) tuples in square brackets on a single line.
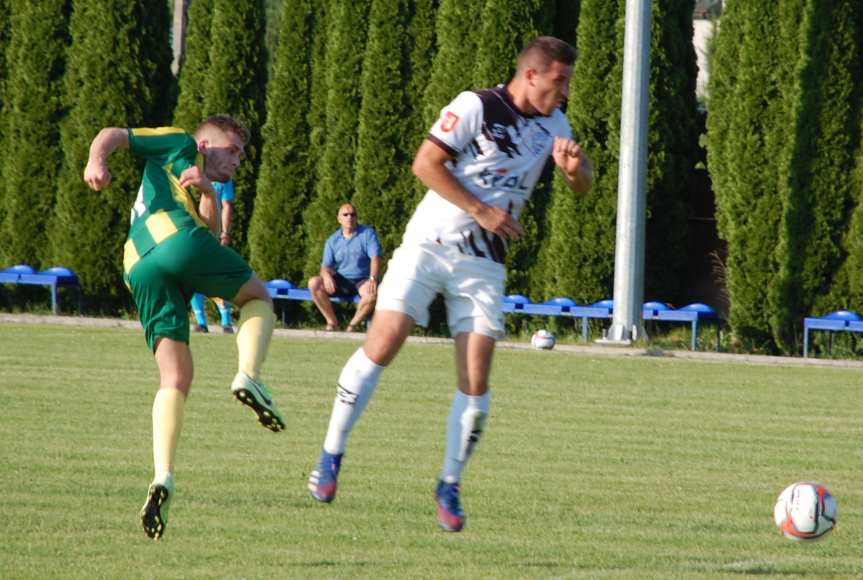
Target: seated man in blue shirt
[(351, 266)]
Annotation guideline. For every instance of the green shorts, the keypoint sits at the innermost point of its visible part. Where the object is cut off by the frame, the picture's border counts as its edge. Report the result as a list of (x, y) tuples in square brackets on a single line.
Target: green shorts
[(164, 279)]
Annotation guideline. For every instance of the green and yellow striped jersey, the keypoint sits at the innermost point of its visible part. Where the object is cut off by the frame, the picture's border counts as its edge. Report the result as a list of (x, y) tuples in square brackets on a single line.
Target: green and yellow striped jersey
[(162, 206)]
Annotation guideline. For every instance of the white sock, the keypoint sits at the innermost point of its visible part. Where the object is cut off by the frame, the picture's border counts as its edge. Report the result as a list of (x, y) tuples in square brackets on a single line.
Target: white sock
[(465, 425), (165, 478), (356, 385)]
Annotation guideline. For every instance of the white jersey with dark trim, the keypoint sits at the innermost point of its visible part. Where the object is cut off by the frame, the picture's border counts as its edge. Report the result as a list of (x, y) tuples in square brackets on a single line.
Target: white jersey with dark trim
[(498, 155)]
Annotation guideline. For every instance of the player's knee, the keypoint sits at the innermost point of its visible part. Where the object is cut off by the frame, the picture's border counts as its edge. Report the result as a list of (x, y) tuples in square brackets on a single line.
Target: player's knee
[(474, 386), (255, 297), (316, 283), (380, 353), (383, 343), (254, 289), (179, 379)]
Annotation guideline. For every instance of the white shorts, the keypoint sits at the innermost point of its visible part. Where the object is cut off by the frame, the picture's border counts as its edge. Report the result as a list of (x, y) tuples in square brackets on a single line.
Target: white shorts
[(472, 287)]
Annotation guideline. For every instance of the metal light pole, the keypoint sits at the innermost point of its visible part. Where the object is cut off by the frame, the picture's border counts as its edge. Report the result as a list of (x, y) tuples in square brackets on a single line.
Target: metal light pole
[(627, 322), (178, 40)]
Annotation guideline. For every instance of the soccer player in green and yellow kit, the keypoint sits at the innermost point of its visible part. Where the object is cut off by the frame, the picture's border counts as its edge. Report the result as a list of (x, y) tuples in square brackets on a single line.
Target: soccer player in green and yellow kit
[(173, 251)]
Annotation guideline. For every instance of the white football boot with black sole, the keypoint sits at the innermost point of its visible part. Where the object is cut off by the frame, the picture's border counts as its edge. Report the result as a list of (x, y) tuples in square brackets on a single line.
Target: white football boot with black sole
[(256, 396)]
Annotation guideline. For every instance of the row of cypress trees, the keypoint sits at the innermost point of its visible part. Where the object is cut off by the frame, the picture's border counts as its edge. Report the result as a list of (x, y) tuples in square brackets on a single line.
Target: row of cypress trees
[(577, 258), (353, 87), (786, 161), (392, 64), (73, 67)]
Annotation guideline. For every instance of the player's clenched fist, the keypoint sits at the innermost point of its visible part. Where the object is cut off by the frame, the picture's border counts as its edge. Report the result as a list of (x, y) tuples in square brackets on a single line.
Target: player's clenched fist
[(96, 175), (567, 155), (193, 176)]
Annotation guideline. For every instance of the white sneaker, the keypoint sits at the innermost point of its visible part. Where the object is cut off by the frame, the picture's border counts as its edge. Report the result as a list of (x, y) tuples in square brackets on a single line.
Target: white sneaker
[(154, 514), (256, 396)]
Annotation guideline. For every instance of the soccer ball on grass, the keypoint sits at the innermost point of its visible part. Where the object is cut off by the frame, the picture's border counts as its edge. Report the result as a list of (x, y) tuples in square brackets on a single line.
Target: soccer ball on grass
[(805, 511), (542, 339)]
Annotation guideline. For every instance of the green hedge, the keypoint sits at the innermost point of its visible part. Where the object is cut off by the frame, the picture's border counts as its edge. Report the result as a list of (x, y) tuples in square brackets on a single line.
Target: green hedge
[(578, 253), (5, 33), (818, 192), (276, 236), (346, 41), (453, 63), (578, 256), (31, 138), (383, 181), (356, 85), (784, 138), (195, 67), (235, 84), (117, 70)]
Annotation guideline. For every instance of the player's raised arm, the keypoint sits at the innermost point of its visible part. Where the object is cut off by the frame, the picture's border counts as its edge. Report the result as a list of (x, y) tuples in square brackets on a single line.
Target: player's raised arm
[(573, 164), (108, 140), (430, 167)]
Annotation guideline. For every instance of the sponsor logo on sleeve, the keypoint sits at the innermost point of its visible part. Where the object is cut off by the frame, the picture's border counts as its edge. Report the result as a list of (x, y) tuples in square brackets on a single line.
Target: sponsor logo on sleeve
[(449, 121)]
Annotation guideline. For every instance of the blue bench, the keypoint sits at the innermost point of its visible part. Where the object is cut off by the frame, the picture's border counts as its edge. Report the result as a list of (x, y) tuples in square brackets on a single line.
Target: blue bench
[(603, 309), (839, 321), (691, 313), (54, 278), (284, 290), (560, 306)]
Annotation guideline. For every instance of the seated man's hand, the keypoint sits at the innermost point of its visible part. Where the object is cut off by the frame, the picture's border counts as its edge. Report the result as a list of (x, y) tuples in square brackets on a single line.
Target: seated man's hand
[(372, 286), (329, 283)]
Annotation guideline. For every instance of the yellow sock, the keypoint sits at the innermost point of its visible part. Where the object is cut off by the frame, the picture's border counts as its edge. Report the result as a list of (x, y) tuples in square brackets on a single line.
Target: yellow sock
[(168, 410), (257, 321)]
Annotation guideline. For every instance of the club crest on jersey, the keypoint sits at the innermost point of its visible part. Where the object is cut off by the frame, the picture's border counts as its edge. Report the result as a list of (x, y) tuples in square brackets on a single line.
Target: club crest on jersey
[(450, 120), (537, 139)]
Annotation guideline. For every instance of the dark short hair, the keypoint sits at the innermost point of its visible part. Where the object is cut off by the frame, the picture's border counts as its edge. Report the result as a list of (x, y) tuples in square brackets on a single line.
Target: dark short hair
[(227, 124), (544, 50)]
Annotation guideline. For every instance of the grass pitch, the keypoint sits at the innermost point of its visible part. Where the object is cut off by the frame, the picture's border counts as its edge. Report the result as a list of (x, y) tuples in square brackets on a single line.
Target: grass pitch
[(591, 466)]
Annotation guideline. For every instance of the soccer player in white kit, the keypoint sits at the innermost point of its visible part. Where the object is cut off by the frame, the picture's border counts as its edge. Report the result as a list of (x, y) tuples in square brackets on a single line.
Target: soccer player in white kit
[(481, 161)]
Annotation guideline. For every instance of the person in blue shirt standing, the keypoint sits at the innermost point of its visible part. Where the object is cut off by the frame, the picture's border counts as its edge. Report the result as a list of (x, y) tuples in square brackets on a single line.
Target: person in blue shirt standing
[(225, 192), (351, 266)]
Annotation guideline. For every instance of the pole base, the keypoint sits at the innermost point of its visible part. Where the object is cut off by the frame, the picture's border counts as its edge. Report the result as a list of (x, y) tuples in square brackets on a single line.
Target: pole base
[(612, 342), (622, 335)]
